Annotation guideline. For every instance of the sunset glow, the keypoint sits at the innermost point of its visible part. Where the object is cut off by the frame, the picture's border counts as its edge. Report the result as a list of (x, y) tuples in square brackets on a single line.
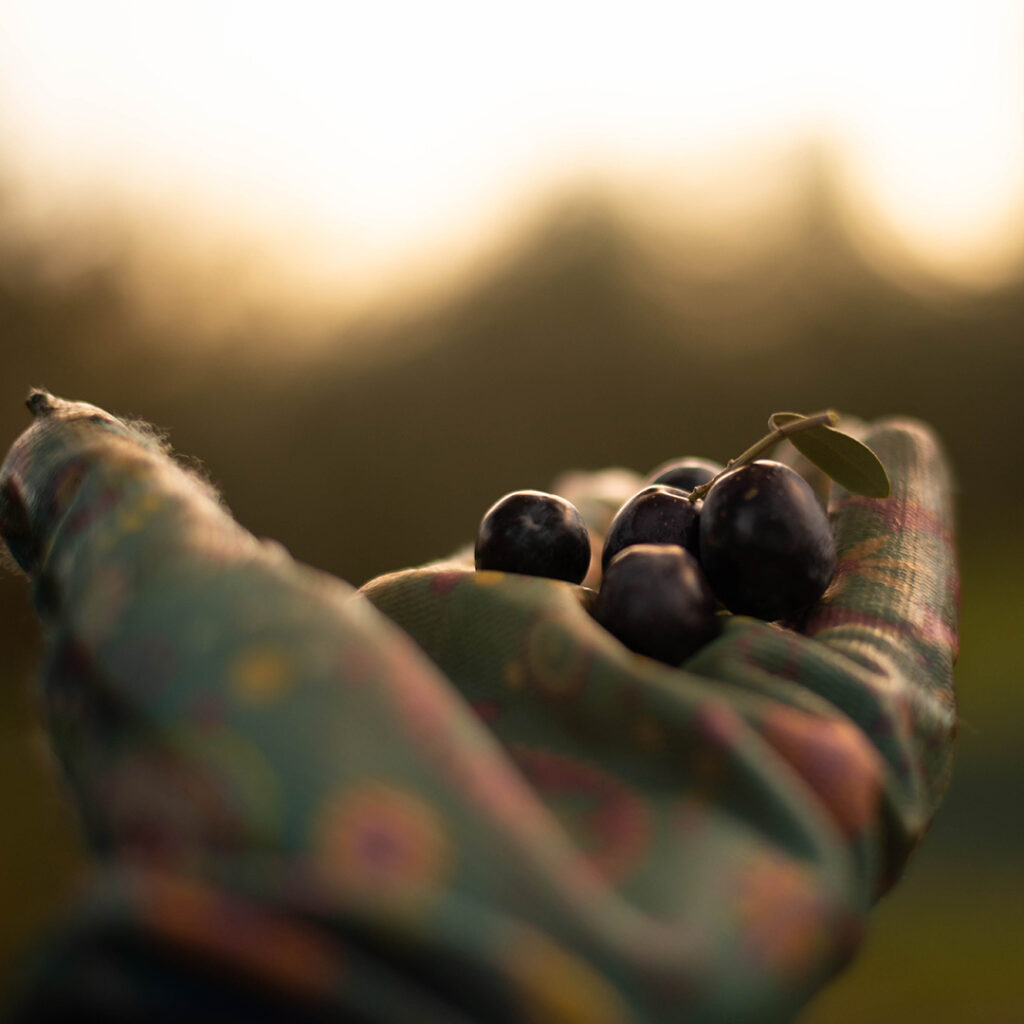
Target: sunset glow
[(378, 130)]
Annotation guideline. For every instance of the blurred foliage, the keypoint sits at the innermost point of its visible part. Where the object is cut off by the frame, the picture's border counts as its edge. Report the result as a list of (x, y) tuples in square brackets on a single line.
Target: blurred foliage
[(589, 343)]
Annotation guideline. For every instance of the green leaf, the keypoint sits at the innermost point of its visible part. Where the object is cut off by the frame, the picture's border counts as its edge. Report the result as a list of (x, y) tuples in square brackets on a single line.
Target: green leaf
[(851, 464)]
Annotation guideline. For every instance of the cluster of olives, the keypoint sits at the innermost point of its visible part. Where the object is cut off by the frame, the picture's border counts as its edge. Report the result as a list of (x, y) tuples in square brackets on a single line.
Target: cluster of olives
[(756, 542)]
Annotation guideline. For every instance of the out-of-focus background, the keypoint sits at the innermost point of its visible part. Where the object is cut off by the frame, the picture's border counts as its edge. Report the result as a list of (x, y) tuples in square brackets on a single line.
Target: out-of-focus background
[(376, 268)]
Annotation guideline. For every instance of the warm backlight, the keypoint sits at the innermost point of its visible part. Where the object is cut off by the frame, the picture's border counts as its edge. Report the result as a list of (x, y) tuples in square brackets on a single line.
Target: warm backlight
[(381, 128)]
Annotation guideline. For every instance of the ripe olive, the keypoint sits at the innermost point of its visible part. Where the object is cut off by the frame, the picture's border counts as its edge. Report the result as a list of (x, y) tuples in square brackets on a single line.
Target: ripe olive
[(684, 473), (655, 515), (655, 600), (536, 534), (765, 541)]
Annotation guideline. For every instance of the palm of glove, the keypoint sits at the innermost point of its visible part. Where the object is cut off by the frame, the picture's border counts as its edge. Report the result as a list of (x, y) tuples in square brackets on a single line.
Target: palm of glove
[(860, 705)]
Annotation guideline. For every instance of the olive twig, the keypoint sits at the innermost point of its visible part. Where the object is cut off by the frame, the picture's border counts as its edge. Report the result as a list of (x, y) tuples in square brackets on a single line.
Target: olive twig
[(827, 418)]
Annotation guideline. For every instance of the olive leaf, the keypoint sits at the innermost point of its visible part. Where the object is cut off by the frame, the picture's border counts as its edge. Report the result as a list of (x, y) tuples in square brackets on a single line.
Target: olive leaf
[(848, 462)]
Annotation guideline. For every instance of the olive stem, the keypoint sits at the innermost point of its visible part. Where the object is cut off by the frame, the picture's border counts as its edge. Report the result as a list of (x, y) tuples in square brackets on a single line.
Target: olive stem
[(827, 418)]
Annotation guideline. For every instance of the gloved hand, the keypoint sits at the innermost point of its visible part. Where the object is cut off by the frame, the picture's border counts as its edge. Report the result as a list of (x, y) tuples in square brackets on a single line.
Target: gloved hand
[(512, 817)]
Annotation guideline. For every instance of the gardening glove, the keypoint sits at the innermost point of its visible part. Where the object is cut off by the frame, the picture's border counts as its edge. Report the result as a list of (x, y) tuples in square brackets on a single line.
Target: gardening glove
[(454, 796)]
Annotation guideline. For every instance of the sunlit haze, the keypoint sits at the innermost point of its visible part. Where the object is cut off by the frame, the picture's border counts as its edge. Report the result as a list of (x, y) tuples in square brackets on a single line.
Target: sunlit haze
[(374, 132)]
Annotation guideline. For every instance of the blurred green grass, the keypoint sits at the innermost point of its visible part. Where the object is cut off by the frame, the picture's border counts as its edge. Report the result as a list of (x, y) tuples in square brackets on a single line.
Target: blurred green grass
[(42, 859), (944, 947)]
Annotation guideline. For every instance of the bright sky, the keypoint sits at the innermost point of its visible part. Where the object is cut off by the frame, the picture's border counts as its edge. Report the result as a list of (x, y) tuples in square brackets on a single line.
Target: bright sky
[(381, 125)]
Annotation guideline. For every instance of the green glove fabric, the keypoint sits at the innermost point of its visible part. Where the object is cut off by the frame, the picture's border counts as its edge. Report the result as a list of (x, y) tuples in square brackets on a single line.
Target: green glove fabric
[(484, 809)]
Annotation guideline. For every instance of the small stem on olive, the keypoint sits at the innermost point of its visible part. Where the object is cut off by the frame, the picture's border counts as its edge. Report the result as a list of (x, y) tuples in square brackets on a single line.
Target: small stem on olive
[(828, 418)]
